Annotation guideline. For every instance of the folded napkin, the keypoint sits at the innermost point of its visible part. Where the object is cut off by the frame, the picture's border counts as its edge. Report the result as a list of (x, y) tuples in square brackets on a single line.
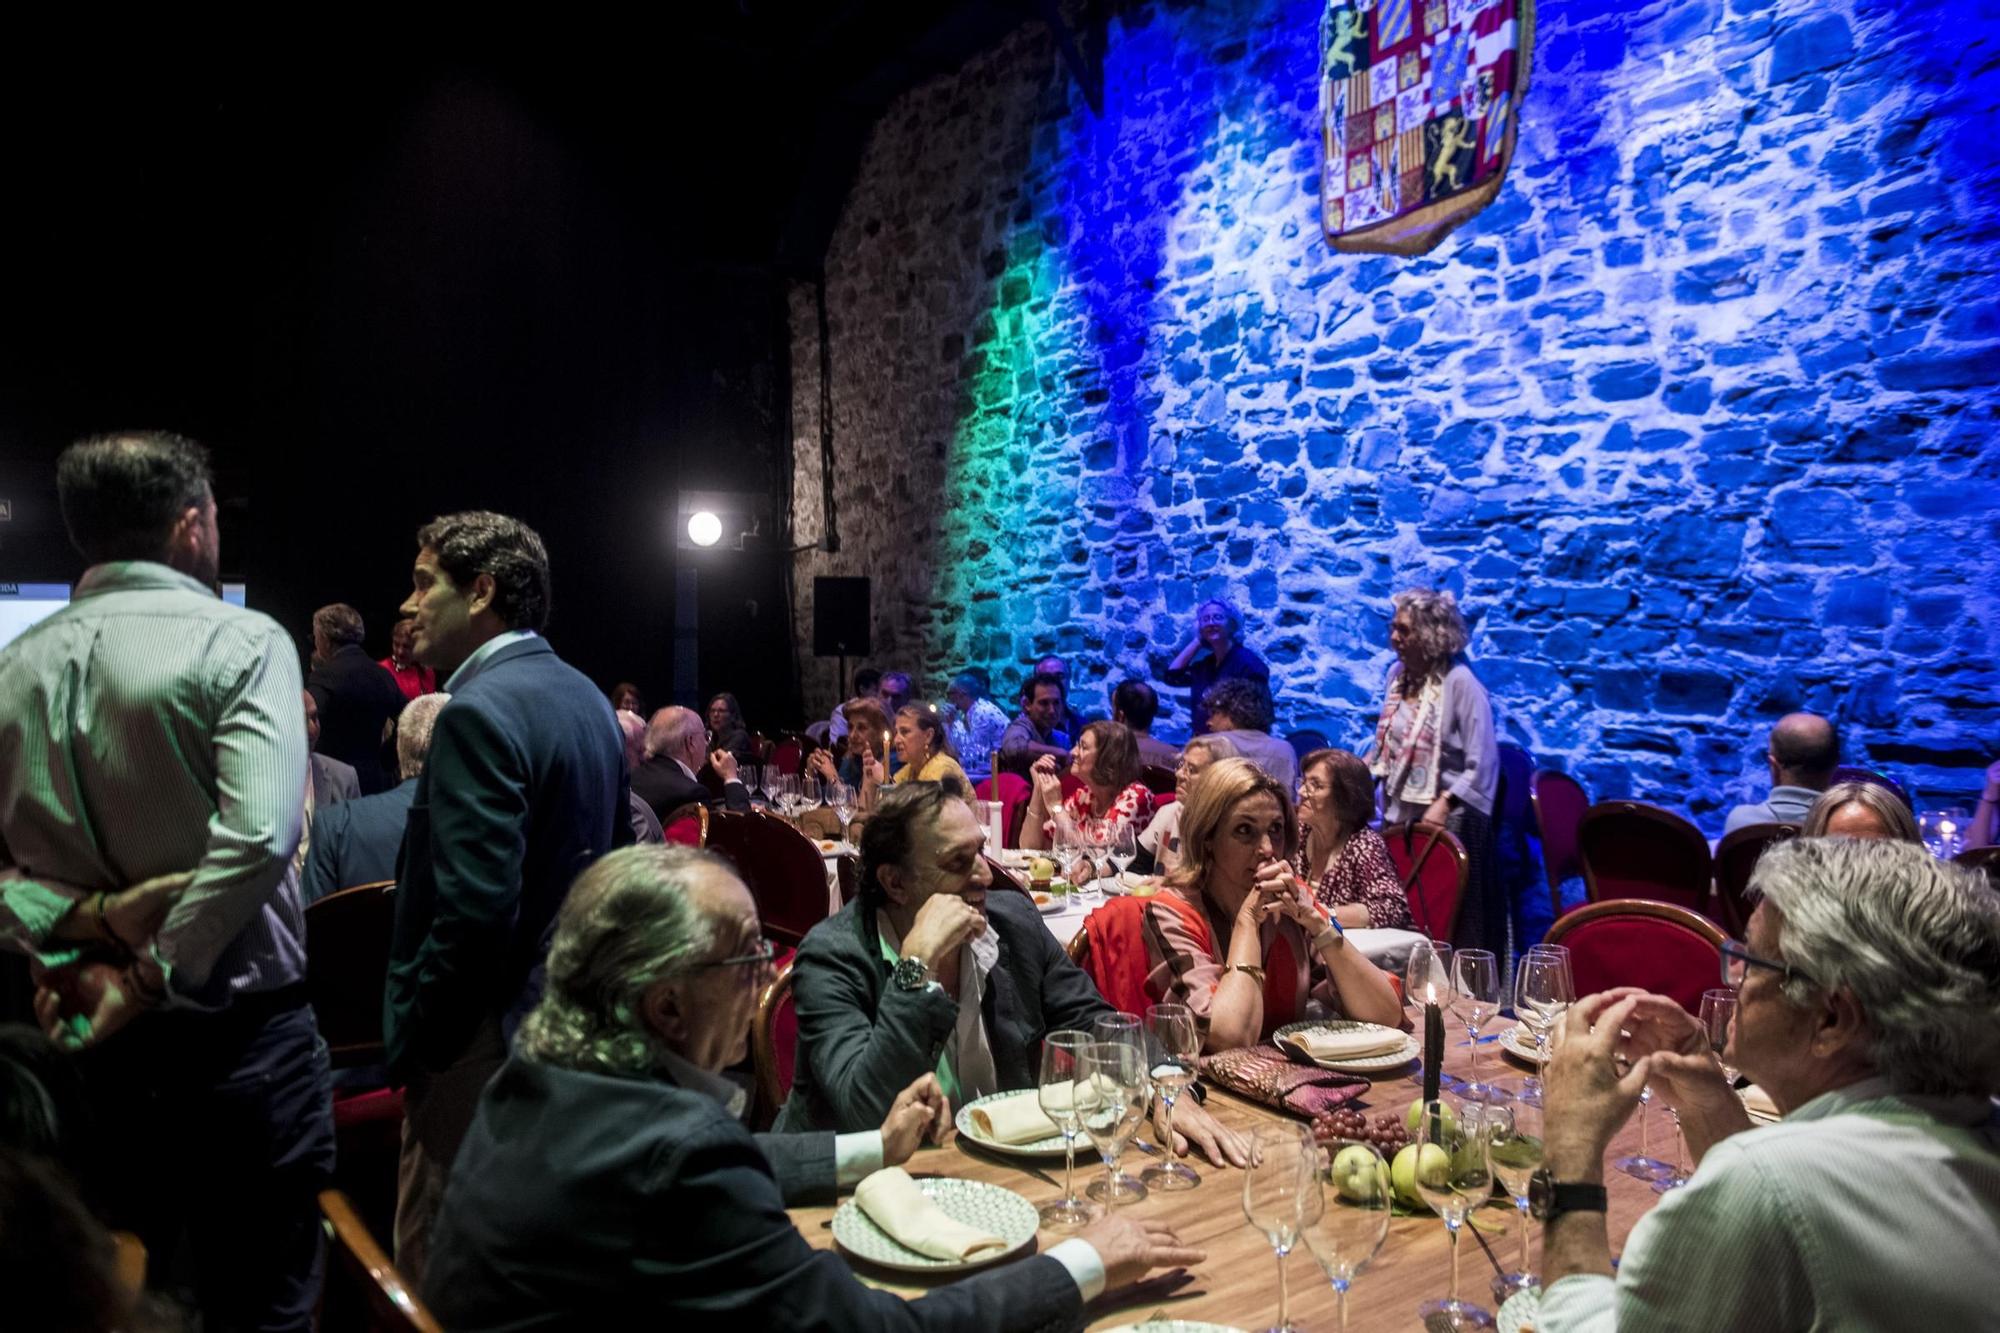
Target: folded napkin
[(894, 1203), (1264, 1074), (1354, 1044), (1015, 1120)]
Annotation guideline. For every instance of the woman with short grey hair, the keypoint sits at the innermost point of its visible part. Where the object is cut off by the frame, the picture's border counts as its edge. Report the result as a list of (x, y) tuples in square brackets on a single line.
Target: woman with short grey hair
[(1860, 810)]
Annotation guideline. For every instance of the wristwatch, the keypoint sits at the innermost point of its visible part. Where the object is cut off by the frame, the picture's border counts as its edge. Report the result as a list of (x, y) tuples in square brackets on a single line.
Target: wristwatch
[(910, 974), (1549, 1198)]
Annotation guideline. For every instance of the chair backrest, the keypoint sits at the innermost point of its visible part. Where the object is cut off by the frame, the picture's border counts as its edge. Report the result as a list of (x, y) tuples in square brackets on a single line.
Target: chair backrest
[(1630, 942), (687, 825), (1735, 857), (774, 1045), (1855, 773), (1304, 741), (391, 1303), (1078, 948), (1012, 791), (1986, 859), (817, 732), (1630, 850), (1159, 780), (787, 756), (1432, 864), (847, 874), (1559, 802), (783, 868), (347, 969), (1003, 878)]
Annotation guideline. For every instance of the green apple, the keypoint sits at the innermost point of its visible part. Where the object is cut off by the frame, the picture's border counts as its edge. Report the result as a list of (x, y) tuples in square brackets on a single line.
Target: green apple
[(1356, 1170), (1416, 1115), (1041, 868), (1427, 1159)]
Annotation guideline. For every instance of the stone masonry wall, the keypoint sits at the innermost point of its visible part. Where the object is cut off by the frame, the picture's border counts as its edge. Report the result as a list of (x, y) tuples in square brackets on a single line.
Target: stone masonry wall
[(1696, 419)]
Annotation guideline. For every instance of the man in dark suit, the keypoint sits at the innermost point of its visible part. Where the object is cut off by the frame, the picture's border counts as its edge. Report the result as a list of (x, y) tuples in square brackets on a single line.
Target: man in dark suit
[(329, 784), (525, 787), (606, 1180), (356, 697), (356, 841), (676, 745)]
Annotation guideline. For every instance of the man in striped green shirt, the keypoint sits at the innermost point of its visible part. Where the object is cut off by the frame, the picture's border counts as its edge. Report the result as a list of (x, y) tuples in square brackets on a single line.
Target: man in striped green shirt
[(152, 737)]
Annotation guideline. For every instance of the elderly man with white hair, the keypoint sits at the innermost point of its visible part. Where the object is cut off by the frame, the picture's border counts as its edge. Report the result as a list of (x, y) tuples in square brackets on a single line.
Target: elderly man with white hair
[(355, 841), (607, 1181), (1867, 990)]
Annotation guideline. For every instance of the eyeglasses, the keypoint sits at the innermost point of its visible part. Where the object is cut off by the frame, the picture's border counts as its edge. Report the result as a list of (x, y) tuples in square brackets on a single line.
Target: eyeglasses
[(1737, 962), (760, 953)]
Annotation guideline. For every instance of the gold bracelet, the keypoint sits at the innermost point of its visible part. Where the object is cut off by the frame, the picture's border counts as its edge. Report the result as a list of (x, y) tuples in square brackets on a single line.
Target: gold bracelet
[(1251, 970)]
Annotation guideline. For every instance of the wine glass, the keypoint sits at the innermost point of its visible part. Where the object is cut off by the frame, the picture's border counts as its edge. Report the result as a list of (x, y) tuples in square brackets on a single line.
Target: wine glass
[(1131, 1030), (1675, 1175), (808, 794), (1455, 1175), (753, 779), (1281, 1195), (1061, 1070), (1427, 980), (1173, 1045), (1475, 995), (1542, 993), (1091, 843), (1111, 1097), (1516, 1155), (1718, 1013), (841, 797), (1355, 1206), (784, 787), (1124, 848)]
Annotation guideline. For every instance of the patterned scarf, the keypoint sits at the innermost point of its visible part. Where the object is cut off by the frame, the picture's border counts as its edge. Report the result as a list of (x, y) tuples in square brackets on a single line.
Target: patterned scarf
[(1407, 763)]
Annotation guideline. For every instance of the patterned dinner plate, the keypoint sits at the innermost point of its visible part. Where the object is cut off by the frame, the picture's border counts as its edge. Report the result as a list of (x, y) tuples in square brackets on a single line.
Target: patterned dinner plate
[(1371, 1064), (1518, 1042), (1049, 1147), (1175, 1326), (1518, 1312), (975, 1203)]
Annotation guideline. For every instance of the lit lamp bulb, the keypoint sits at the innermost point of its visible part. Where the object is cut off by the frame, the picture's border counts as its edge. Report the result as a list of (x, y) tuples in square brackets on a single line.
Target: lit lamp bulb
[(704, 528)]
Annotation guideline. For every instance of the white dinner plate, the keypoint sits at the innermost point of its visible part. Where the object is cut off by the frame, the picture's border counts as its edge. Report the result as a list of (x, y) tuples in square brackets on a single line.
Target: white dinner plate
[(1518, 1042), (1372, 1064), (1056, 905), (1049, 1147), (1518, 1311), (989, 1207)]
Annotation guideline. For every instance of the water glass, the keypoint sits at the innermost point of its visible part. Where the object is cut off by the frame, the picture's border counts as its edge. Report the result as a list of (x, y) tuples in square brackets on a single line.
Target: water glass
[(1111, 1098), (1281, 1195), (1475, 997), (1173, 1049), (1355, 1206), (1516, 1153), (1062, 1068), (1543, 992), (1718, 1015), (1454, 1175)]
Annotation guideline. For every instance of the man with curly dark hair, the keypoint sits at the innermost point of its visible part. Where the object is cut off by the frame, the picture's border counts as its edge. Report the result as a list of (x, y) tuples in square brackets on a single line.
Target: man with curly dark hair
[(1240, 717)]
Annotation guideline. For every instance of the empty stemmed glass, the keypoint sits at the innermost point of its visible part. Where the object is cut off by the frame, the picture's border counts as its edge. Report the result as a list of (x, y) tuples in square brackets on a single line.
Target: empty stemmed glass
[(1426, 981), (1111, 1099), (1718, 1013), (808, 793), (1355, 1206), (1062, 1069), (1173, 1047), (753, 780), (1281, 1195), (783, 788), (840, 797), (1543, 992), (1131, 1030), (1516, 1153), (1454, 1174), (1123, 849), (1091, 844), (1475, 996), (1676, 1175)]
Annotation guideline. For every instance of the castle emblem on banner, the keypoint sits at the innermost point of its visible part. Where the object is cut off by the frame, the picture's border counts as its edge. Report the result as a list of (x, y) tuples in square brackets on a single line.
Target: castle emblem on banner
[(1418, 100)]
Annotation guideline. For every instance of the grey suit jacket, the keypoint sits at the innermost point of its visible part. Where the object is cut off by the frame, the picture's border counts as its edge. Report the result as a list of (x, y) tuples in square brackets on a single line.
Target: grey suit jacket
[(333, 782)]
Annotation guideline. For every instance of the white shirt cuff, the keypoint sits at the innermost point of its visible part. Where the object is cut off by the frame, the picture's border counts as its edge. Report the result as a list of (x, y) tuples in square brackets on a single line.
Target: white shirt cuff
[(856, 1156), (1579, 1303), (1085, 1265)]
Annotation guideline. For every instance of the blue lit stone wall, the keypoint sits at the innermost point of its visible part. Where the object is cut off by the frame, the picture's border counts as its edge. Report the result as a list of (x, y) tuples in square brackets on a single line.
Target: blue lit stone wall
[(1697, 420)]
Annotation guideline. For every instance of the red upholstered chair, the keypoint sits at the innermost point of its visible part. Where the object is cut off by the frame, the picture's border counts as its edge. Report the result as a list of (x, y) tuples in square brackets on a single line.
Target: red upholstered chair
[(1735, 857), (1012, 791), (1158, 780), (347, 969), (1629, 942), (774, 1045), (1631, 850), (1559, 801), (783, 867), (687, 825), (787, 756), (1432, 865)]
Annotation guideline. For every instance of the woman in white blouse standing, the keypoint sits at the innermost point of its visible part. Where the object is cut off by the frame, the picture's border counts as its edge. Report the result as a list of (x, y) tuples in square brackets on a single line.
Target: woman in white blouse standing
[(1435, 756)]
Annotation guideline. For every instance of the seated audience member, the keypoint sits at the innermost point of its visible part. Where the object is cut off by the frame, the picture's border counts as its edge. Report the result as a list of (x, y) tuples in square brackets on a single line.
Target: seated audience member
[(1345, 861), (357, 698), (1214, 655), (867, 681), (1135, 704), (1037, 731), (1073, 722), (926, 754), (1239, 717), (645, 824), (1234, 935), (58, 1263), (330, 782), (976, 731), (1860, 810), (894, 692), (866, 736), (355, 842), (675, 749), (625, 698), (925, 971), (1160, 844), (728, 731), (1984, 830), (607, 1178), (1866, 988), (1106, 762), (412, 677), (1803, 752)]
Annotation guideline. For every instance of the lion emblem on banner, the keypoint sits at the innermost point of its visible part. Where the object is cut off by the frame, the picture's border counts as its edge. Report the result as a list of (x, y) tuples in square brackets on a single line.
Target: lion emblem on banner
[(1418, 100)]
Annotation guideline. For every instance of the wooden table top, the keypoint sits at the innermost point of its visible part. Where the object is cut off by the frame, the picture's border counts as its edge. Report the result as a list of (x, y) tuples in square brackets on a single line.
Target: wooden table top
[(1237, 1285)]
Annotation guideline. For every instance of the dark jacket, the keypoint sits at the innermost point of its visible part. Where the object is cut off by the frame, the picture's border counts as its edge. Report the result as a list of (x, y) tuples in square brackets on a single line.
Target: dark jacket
[(355, 697), (332, 783), (662, 784), (525, 786), (862, 1040), (582, 1201), (355, 842), (1203, 673)]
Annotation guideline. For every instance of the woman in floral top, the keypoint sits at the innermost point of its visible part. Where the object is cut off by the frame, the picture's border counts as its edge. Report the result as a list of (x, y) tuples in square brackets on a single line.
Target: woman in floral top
[(1106, 761), (1345, 861)]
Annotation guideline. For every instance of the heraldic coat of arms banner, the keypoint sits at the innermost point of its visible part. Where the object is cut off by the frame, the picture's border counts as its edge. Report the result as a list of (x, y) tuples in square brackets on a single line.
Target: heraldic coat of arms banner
[(1418, 100)]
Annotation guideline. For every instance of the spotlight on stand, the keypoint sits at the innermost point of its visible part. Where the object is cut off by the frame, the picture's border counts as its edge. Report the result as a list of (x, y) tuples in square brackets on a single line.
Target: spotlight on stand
[(704, 528), (721, 521)]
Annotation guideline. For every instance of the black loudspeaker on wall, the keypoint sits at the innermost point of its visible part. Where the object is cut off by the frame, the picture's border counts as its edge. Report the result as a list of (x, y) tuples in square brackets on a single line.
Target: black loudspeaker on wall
[(840, 617)]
